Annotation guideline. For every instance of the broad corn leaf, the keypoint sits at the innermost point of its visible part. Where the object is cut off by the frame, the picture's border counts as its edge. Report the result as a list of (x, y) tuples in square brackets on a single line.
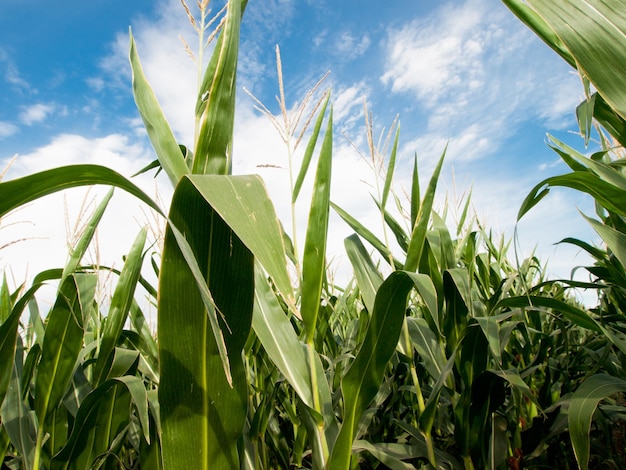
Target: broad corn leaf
[(20, 191), (583, 405), (363, 378), (8, 339), (367, 275), (538, 25), (203, 391), (592, 30), (243, 202)]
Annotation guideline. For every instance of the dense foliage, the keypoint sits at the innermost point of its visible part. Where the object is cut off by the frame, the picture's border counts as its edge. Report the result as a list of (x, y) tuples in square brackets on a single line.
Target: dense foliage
[(440, 352)]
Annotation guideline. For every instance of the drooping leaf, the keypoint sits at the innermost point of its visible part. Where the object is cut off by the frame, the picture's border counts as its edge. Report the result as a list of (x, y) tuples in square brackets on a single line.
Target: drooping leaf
[(287, 352), (243, 202), (367, 235), (103, 415), (202, 330), (20, 191), (367, 275), (583, 405), (591, 29)]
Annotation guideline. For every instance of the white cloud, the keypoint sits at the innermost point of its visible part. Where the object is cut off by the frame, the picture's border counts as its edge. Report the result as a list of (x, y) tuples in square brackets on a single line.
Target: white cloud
[(349, 46), (36, 113), (477, 72), (7, 129)]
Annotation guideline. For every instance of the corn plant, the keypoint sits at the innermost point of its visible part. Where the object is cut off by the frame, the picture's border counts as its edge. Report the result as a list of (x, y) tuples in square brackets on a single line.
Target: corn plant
[(458, 358)]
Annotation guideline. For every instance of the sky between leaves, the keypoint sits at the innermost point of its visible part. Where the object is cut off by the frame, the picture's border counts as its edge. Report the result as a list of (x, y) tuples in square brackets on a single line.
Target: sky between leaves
[(465, 73)]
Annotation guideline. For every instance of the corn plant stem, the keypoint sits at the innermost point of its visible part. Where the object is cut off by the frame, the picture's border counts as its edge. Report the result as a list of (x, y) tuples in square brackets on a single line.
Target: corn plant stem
[(418, 391), (37, 458), (316, 400)]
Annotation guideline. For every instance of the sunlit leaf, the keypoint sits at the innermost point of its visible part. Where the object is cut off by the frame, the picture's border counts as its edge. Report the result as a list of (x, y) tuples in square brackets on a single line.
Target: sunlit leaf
[(583, 405)]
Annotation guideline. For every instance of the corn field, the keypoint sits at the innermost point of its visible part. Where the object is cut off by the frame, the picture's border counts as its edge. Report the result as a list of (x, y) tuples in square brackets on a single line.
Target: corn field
[(442, 351)]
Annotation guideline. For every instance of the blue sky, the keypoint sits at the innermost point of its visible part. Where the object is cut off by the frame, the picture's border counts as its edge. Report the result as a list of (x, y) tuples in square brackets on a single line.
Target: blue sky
[(465, 73)]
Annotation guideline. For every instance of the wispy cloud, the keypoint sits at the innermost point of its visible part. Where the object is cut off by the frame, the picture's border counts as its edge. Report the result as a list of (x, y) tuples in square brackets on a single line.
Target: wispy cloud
[(36, 113), (351, 46), (477, 72), (7, 129), (11, 73)]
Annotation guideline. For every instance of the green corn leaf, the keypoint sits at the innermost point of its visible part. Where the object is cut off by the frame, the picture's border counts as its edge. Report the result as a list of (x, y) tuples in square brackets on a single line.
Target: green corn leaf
[(367, 235), (390, 169), (147, 344), (539, 26), (584, 116), (77, 253), (614, 239), (415, 193), (605, 194), (102, 416), (8, 341), (287, 352), (427, 345), (308, 153), (609, 119), (491, 330), (362, 380), (120, 305), (590, 29), (583, 404), (5, 300), (398, 231), (206, 271), (515, 380), (62, 342), (575, 315), (215, 107), (17, 419), (20, 191), (367, 275), (243, 202), (444, 459), (418, 234), (391, 455), (314, 258), (159, 131), (605, 172)]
